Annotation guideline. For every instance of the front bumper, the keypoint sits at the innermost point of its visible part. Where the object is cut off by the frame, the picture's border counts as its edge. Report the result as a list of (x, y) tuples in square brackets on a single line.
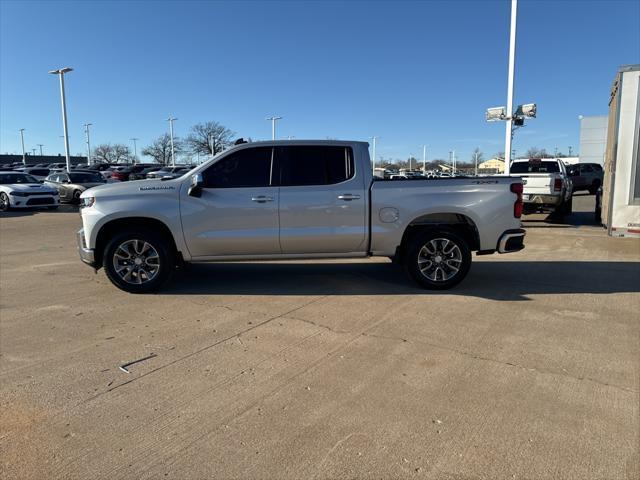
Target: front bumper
[(86, 254), (511, 241)]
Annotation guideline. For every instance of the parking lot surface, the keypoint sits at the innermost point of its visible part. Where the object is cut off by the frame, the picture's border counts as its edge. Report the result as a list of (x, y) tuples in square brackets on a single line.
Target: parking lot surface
[(322, 369)]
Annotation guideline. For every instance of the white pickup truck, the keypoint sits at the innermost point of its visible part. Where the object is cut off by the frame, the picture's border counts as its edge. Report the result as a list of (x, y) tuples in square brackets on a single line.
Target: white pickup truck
[(546, 185), (291, 200)]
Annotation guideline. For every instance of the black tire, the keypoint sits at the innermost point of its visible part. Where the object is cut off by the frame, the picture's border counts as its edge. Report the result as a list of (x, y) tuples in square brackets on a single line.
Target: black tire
[(567, 207), (5, 203), (594, 187), (443, 259), (76, 196), (165, 262)]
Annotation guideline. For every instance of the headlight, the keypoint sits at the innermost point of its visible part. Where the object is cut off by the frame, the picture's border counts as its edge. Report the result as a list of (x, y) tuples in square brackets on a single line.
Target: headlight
[(18, 194), (87, 201)]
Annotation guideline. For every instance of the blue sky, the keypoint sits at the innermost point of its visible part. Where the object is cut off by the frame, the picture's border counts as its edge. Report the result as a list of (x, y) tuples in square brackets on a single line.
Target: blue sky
[(413, 73)]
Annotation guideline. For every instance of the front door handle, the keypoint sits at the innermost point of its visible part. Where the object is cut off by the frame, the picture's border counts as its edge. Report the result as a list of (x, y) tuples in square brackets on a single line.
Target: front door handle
[(262, 199), (347, 197)]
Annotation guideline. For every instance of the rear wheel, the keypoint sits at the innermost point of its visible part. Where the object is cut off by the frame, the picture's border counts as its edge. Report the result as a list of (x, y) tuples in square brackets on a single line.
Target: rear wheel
[(138, 261), (567, 206), (76, 196), (594, 187), (438, 259)]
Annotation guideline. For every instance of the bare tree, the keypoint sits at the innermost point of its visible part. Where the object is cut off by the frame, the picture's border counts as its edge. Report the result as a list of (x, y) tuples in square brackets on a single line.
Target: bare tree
[(535, 152), (209, 138), (479, 153), (160, 149), (116, 153)]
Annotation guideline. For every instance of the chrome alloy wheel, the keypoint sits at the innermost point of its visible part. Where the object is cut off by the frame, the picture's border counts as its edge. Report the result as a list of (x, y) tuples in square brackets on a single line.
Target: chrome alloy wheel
[(439, 259), (136, 261)]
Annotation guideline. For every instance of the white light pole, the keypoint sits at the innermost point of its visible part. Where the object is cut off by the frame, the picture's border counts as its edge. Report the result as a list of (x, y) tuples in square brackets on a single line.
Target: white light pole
[(273, 126), (173, 155), (373, 151), (41, 145), (60, 72), (135, 149), (476, 164), (86, 134), (453, 153), (512, 62), (424, 158), (24, 156), (211, 144)]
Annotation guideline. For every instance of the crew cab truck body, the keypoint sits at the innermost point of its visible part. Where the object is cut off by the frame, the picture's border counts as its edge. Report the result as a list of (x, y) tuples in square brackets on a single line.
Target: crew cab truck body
[(296, 199), (546, 185)]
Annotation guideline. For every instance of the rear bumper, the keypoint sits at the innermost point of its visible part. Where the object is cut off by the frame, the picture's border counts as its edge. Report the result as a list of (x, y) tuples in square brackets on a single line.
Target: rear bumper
[(536, 200), (86, 254), (511, 241)]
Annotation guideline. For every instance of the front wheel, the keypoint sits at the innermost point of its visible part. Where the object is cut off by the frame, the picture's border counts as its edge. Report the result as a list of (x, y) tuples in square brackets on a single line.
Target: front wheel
[(5, 204), (438, 260), (138, 261)]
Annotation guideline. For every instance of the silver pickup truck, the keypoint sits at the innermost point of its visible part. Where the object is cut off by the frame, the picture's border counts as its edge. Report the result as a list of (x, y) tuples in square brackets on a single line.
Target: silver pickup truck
[(292, 200)]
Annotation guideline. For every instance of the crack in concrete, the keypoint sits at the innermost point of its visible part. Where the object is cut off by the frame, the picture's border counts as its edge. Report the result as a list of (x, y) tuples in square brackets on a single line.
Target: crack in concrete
[(493, 360)]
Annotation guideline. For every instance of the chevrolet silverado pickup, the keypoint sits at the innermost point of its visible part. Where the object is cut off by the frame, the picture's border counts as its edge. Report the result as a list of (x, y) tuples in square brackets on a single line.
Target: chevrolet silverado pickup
[(292, 200)]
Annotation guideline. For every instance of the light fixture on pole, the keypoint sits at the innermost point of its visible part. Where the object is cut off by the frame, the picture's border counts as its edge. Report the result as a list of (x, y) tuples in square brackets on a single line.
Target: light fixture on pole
[(86, 133), (41, 145), (135, 149), (24, 155), (60, 72), (173, 155), (273, 120), (373, 151)]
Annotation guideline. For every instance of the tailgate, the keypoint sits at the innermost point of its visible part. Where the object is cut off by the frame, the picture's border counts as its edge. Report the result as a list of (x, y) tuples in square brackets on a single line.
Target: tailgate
[(538, 183)]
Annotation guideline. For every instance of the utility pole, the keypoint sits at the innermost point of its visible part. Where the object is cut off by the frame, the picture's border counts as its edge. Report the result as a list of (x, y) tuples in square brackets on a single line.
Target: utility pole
[(509, 113), (135, 149), (211, 144), (373, 151), (173, 155), (41, 145), (273, 126), (33, 152), (24, 156), (454, 161), (86, 134), (570, 150)]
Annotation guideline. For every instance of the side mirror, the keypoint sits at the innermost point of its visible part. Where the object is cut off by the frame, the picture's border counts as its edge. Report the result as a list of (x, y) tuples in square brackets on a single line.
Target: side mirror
[(195, 190)]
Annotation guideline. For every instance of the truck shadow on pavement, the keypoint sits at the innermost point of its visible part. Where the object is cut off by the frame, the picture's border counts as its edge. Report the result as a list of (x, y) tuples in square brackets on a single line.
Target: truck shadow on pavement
[(500, 280)]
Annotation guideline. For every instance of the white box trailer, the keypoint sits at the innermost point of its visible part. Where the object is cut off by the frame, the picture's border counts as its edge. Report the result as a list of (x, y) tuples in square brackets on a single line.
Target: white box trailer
[(621, 186)]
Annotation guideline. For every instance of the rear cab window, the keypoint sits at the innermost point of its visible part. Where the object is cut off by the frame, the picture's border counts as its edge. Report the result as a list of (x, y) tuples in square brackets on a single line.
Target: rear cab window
[(540, 166)]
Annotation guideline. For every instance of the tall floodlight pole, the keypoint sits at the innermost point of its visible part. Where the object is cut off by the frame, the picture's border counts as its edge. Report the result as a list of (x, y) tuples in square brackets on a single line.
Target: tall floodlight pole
[(454, 161), (509, 113), (135, 149), (476, 164), (41, 145), (373, 152), (273, 126), (173, 154), (24, 155), (60, 72), (424, 158), (86, 134)]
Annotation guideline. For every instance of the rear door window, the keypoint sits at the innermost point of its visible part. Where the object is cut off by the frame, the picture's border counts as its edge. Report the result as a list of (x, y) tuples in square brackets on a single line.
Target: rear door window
[(314, 165)]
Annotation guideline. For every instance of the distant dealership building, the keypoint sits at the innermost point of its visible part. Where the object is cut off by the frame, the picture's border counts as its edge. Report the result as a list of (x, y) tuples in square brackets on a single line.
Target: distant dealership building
[(493, 165), (593, 138)]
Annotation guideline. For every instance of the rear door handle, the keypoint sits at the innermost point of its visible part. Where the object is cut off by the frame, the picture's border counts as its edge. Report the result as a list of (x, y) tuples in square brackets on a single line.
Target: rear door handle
[(347, 197), (262, 199)]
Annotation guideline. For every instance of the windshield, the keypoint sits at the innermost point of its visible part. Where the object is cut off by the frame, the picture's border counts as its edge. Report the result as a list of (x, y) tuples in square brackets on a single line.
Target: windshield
[(535, 167), (8, 178), (85, 178)]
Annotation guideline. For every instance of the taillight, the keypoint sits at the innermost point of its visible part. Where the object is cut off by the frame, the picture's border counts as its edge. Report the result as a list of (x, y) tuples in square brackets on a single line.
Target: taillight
[(557, 185), (517, 206)]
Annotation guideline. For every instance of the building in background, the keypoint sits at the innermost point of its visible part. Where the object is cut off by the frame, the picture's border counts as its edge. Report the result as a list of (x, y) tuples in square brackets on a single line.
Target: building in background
[(8, 159), (593, 138), (491, 166)]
